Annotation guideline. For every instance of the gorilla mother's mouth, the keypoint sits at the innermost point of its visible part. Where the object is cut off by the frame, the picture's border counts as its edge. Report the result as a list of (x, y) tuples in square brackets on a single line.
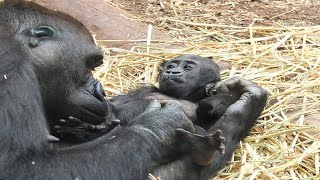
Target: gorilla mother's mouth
[(95, 88)]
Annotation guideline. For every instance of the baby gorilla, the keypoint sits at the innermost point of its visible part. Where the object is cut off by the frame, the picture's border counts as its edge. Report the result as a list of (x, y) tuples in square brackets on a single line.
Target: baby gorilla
[(190, 79)]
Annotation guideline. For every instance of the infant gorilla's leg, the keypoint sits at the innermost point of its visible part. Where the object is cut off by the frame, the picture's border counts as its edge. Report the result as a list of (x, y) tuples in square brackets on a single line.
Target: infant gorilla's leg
[(202, 145)]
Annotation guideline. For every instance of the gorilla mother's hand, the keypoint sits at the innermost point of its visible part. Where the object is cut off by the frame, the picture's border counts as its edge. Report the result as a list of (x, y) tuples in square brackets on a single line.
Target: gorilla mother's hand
[(158, 125), (88, 103), (75, 130)]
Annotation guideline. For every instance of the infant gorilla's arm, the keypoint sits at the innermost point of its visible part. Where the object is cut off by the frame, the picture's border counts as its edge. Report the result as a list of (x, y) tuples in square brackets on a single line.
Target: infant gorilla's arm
[(210, 109)]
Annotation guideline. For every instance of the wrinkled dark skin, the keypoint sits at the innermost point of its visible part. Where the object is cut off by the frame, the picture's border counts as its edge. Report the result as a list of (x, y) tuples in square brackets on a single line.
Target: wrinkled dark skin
[(46, 60)]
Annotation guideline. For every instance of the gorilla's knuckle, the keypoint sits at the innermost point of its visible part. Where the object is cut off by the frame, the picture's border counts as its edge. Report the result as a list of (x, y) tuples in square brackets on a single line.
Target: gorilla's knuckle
[(257, 92)]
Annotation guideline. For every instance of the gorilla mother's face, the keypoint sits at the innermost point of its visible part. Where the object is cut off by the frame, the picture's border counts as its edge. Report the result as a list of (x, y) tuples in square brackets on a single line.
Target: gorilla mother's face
[(64, 55)]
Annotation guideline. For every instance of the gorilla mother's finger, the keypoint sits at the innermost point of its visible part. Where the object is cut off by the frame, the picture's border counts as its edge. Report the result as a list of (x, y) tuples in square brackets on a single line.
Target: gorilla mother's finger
[(70, 121)]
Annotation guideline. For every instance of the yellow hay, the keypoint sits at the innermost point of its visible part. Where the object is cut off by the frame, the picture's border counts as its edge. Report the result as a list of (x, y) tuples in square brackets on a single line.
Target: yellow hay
[(284, 60)]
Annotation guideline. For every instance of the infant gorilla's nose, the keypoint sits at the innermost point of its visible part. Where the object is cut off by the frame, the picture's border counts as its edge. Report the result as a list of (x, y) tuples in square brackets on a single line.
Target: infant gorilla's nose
[(173, 73)]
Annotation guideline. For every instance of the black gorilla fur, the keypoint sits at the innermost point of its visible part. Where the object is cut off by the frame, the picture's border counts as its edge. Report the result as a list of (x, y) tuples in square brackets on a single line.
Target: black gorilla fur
[(49, 56)]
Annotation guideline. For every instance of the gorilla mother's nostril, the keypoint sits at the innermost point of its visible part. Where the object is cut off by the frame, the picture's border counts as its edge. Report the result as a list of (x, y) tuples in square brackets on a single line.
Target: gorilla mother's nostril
[(99, 91), (94, 60)]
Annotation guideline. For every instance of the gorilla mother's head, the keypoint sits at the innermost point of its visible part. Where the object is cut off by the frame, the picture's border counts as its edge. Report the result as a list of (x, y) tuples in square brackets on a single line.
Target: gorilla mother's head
[(64, 55)]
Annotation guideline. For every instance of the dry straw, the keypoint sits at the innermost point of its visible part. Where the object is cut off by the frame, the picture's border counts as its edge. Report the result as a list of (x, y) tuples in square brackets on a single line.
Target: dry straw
[(284, 60)]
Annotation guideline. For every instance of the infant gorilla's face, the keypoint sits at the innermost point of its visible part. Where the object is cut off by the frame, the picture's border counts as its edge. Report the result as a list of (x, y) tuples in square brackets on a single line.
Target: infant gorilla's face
[(184, 75)]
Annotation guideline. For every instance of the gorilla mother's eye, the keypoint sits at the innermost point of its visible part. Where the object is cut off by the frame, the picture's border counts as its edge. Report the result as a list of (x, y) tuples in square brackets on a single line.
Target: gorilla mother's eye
[(39, 35), (42, 32), (170, 66)]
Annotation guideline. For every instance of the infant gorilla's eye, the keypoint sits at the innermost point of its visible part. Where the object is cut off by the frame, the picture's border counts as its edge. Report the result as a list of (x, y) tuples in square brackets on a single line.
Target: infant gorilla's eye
[(188, 66), (170, 66)]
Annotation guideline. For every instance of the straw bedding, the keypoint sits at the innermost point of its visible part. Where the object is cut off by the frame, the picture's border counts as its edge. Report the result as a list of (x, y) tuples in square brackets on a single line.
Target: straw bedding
[(284, 60)]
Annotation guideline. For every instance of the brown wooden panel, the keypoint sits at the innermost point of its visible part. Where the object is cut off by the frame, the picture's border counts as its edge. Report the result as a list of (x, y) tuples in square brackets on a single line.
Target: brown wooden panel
[(106, 21)]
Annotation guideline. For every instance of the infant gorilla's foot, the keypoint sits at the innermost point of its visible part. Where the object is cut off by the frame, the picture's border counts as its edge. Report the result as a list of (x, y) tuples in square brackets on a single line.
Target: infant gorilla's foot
[(203, 147), (75, 130)]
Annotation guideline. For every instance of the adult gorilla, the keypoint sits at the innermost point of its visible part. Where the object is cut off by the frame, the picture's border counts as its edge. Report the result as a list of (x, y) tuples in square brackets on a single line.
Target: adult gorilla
[(37, 47)]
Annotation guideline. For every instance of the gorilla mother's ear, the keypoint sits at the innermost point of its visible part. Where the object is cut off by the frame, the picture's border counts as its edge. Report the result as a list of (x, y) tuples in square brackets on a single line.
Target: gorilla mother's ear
[(40, 34)]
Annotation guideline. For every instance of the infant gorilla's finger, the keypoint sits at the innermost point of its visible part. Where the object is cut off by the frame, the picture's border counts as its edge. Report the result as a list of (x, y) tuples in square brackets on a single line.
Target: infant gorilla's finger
[(210, 89), (237, 82), (219, 87)]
